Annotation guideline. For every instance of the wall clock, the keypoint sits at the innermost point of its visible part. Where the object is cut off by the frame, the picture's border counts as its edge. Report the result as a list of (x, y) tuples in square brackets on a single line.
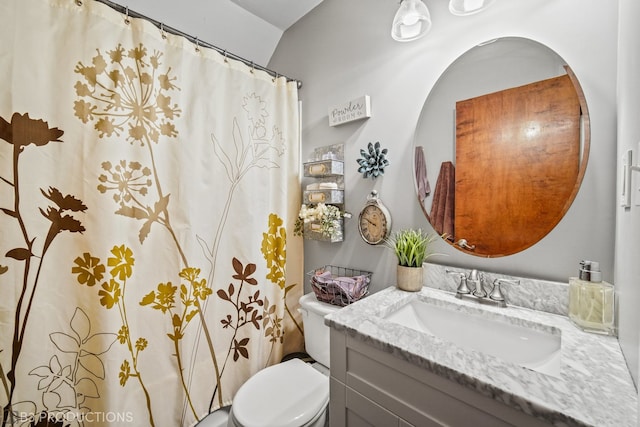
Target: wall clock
[(374, 222)]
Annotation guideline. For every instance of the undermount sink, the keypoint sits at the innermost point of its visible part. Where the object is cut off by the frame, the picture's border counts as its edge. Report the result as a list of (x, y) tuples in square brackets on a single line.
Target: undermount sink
[(527, 344)]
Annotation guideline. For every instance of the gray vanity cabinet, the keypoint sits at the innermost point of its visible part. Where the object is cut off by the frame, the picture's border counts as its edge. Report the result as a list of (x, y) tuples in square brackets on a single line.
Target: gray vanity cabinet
[(370, 387)]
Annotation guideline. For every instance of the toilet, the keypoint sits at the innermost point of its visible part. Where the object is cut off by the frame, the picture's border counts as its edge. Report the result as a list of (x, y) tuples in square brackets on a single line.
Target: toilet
[(292, 393)]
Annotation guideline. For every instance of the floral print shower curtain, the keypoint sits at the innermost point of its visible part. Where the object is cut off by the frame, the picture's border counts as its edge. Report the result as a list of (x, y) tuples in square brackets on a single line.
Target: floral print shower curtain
[(148, 193)]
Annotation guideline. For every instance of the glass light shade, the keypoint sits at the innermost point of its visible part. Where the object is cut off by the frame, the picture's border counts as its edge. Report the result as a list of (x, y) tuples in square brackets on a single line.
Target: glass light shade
[(411, 22), (468, 7)]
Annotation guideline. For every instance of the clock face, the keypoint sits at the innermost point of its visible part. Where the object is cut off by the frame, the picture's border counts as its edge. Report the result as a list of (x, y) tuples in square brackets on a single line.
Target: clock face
[(373, 225)]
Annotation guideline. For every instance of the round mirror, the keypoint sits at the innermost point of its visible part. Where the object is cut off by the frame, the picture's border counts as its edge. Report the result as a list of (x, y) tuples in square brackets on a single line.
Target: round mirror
[(501, 147)]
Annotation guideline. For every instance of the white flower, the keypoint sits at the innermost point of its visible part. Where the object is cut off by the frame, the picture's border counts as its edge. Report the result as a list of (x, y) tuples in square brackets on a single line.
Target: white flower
[(329, 217)]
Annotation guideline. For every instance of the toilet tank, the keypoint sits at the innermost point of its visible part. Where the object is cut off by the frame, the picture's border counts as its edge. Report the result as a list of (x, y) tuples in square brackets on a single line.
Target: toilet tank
[(316, 333)]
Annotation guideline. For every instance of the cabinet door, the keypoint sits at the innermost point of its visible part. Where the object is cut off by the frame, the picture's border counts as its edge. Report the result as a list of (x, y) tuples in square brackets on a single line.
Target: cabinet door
[(362, 412), (411, 394)]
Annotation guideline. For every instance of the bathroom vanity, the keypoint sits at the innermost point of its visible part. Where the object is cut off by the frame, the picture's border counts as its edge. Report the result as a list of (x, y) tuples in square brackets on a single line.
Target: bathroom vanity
[(470, 365)]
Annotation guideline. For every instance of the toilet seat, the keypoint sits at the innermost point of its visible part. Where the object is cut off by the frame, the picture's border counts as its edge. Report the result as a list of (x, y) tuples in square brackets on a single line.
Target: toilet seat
[(290, 394)]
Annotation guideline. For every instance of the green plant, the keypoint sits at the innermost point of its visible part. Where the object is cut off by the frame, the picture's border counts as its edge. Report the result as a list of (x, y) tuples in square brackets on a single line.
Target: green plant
[(412, 247)]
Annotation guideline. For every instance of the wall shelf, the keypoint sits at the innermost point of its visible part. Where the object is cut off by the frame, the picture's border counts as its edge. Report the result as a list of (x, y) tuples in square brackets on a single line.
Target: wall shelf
[(326, 185), (323, 168)]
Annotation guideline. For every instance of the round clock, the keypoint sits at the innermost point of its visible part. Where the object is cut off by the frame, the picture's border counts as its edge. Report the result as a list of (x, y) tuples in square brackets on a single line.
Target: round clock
[(374, 221)]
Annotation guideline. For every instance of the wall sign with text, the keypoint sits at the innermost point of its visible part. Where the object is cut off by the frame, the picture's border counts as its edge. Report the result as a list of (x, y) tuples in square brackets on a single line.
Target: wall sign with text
[(356, 109)]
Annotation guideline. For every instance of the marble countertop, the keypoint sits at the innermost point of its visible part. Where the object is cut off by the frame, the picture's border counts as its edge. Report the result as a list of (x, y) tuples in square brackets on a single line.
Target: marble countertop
[(594, 386)]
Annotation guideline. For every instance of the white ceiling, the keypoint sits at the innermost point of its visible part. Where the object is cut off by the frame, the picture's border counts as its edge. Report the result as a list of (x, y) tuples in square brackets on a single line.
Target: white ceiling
[(280, 13), (247, 28)]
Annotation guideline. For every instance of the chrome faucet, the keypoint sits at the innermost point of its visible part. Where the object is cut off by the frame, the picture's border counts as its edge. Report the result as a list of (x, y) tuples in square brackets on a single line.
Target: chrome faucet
[(472, 286), (475, 278)]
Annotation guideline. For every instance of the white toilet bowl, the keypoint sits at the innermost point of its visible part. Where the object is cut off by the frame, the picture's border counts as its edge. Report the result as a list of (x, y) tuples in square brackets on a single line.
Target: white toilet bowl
[(291, 393)]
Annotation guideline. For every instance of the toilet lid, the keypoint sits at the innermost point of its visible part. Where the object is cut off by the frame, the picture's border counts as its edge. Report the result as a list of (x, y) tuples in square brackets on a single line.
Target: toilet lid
[(288, 394)]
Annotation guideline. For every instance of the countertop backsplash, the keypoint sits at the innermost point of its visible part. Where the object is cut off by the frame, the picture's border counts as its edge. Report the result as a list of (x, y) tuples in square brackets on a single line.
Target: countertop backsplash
[(541, 295)]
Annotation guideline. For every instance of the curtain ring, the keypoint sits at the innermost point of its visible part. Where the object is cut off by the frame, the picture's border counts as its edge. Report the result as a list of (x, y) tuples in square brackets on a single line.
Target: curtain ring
[(79, 2), (275, 78), (162, 32), (197, 41), (226, 60), (126, 16), (252, 67)]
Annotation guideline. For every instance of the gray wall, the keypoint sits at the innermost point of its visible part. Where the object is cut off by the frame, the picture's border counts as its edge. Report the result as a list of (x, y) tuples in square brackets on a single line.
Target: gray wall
[(343, 50)]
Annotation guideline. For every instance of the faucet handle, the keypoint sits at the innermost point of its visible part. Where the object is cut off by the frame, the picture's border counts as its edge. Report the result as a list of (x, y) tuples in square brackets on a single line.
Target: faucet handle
[(496, 292), (462, 287)]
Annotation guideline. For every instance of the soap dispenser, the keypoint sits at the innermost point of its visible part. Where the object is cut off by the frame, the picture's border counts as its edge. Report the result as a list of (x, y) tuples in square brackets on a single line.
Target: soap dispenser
[(591, 300)]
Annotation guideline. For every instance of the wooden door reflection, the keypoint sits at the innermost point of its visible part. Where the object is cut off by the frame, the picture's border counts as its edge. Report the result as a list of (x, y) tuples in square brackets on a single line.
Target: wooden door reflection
[(517, 164)]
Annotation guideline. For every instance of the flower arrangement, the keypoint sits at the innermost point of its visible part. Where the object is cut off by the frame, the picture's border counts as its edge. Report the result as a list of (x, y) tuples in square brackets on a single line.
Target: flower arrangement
[(327, 216), (411, 246)]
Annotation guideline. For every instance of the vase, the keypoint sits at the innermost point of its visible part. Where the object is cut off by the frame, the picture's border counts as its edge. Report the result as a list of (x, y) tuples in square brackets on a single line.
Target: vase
[(409, 278)]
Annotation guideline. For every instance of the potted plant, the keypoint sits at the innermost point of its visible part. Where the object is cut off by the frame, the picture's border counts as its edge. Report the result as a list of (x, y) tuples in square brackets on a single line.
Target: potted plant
[(412, 248)]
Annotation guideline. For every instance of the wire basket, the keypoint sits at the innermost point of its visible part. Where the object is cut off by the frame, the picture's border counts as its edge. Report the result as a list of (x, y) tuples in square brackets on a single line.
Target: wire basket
[(339, 285)]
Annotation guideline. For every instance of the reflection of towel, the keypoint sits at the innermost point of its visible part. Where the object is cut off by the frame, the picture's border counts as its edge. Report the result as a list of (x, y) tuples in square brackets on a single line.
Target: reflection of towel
[(421, 175), (444, 201)]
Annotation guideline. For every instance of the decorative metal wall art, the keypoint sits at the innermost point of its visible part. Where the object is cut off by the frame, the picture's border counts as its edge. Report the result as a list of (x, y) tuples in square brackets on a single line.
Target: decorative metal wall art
[(373, 160)]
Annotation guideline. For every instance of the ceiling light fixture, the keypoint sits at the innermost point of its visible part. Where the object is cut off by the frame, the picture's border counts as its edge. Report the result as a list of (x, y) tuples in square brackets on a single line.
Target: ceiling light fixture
[(412, 20), (468, 7)]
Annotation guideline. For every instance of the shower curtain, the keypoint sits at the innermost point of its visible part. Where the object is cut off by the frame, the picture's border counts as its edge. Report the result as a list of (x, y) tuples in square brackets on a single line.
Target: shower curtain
[(148, 193)]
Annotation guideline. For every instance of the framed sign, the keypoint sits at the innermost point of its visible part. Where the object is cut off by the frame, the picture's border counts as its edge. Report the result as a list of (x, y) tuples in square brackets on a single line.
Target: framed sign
[(353, 110)]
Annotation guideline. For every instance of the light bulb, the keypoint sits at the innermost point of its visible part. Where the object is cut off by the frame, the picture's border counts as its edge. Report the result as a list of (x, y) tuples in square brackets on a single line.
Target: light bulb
[(411, 22), (468, 7)]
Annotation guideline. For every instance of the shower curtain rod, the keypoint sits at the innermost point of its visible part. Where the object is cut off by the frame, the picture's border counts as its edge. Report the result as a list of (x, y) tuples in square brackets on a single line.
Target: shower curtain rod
[(130, 13)]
